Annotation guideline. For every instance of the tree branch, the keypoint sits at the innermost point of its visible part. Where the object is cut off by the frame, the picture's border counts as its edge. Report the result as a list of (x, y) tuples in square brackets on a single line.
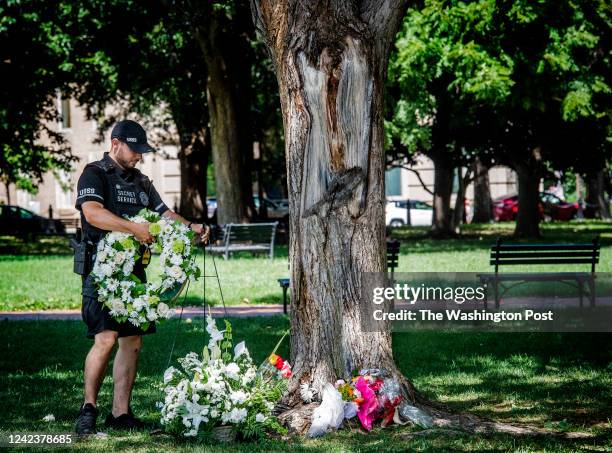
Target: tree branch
[(418, 175)]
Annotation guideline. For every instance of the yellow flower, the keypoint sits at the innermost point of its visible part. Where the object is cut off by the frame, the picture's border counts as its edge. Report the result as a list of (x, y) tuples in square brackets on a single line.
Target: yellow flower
[(273, 359)]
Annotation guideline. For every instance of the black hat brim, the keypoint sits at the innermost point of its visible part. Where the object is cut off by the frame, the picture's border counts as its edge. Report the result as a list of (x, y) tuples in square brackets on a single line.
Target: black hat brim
[(140, 148)]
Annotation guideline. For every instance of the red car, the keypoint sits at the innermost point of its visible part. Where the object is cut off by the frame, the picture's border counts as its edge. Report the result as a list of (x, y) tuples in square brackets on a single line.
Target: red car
[(551, 208)]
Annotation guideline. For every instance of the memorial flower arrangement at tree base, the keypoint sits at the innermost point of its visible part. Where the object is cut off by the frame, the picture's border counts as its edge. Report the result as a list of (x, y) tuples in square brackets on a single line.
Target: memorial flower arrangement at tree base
[(223, 388), (129, 299), (371, 395)]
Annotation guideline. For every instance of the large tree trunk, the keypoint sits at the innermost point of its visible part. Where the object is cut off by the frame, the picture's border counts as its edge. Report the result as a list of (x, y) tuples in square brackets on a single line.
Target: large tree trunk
[(330, 60), (225, 51), (442, 226), (528, 218), (193, 157), (483, 206), (597, 196)]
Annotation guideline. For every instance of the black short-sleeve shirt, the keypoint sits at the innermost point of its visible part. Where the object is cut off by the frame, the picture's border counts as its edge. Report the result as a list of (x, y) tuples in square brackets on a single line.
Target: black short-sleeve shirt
[(97, 184), (91, 186)]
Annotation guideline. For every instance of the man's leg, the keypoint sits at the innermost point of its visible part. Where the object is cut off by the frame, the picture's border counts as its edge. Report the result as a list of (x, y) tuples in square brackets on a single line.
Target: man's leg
[(96, 362), (124, 372)]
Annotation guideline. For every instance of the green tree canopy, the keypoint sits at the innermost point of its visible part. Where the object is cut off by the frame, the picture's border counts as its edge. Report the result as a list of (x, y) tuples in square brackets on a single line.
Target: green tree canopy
[(34, 72)]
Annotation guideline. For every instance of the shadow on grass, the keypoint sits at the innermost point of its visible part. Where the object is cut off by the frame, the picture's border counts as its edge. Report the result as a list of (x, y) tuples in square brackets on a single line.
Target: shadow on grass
[(483, 236), (563, 380), (532, 377)]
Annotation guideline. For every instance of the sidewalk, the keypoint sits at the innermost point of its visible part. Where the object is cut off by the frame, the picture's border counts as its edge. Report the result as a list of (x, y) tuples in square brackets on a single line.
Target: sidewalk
[(234, 311)]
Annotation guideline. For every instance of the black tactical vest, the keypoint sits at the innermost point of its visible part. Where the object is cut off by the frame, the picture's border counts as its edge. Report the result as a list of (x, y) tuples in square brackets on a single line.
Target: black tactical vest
[(125, 194)]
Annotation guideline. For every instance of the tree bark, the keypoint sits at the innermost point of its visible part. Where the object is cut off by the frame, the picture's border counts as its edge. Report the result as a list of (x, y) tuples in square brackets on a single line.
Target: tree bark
[(483, 207), (7, 187), (442, 226), (227, 95), (331, 60), (597, 196), (193, 157), (459, 211), (528, 218)]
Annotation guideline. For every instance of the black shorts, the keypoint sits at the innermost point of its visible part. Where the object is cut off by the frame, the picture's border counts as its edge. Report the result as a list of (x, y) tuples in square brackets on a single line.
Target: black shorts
[(96, 316)]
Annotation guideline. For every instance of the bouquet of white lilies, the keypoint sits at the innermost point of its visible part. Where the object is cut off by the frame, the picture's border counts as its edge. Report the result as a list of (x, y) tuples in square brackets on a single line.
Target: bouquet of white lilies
[(221, 389)]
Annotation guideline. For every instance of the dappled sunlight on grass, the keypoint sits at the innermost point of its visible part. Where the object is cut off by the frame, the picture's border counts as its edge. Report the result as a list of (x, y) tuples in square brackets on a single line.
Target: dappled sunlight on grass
[(559, 381)]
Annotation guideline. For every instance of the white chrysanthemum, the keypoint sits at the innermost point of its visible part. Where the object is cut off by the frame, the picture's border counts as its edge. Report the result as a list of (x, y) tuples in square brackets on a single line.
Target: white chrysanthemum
[(162, 309), (175, 272), (112, 284), (117, 305), (128, 267), (151, 315), (119, 258), (260, 418), (106, 270)]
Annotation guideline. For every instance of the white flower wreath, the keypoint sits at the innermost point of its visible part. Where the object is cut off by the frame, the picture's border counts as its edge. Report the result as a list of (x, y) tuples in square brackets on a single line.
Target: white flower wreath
[(122, 292)]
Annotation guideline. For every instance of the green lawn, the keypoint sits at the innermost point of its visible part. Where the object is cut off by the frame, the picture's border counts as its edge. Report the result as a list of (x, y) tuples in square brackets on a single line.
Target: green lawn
[(39, 276), (559, 381)]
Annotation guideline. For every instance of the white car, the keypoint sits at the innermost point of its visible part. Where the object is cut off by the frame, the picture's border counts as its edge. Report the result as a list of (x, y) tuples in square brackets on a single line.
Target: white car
[(396, 214)]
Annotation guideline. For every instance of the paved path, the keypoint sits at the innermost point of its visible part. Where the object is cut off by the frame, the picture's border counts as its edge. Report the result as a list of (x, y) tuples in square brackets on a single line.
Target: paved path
[(235, 311)]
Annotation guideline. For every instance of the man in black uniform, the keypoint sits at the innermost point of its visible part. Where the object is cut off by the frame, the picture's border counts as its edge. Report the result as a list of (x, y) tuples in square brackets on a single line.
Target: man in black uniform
[(108, 191)]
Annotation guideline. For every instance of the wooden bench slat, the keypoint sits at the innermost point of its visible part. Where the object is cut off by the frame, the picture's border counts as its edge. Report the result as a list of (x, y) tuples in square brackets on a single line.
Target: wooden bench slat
[(568, 254), (542, 261), (538, 247), (252, 237)]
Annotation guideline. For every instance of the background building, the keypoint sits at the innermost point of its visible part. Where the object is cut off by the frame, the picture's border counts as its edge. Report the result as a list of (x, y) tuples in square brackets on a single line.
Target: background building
[(401, 184), (57, 193)]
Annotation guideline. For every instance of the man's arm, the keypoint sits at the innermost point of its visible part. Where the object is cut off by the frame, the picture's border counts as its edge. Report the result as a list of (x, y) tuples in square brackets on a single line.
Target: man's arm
[(201, 230), (97, 215)]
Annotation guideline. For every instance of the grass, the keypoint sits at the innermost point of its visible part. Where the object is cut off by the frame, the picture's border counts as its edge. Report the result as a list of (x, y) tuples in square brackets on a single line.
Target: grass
[(39, 275), (559, 381)]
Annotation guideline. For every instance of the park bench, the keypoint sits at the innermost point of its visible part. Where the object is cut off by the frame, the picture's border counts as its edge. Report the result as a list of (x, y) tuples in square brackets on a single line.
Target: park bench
[(71, 225), (246, 237), (547, 254), (393, 247)]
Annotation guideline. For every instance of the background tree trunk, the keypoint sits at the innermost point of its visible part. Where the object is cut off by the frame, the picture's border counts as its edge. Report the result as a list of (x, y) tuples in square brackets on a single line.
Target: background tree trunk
[(459, 213), (483, 212), (597, 196), (193, 157), (443, 187), (226, 54), (528, 218), (330, 60)]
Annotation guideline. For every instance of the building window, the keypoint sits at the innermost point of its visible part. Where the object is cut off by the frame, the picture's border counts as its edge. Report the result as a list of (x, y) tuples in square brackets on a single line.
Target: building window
[(393, 182), (65, 113)]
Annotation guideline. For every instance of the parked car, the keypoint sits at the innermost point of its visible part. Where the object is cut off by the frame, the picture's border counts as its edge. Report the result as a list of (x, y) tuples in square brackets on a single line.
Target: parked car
[(16, 221), (551, 207), (277, 210), (396, 213), (555, 208), (505, 208), (211, 207)]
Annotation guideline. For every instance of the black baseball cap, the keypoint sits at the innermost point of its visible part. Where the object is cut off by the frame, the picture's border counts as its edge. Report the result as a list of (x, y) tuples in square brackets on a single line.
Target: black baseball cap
[(132, 134)]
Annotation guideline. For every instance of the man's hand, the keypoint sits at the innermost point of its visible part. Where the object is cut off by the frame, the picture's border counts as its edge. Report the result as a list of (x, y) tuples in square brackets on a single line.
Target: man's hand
[(202, 231), (141, 232)]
